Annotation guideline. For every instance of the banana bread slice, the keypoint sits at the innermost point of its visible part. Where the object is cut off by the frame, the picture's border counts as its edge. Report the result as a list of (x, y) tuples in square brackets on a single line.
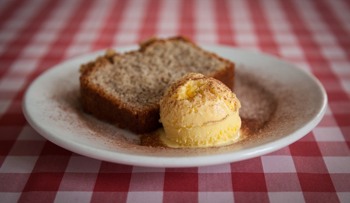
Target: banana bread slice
[(125, 89)]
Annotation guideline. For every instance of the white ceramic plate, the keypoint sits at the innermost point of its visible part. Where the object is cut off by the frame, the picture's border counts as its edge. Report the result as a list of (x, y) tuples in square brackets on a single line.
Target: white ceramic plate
[(52, 108)]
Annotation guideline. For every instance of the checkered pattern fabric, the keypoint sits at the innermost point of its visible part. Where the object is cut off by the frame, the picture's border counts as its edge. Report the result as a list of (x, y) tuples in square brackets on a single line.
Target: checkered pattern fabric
[(37, 34)]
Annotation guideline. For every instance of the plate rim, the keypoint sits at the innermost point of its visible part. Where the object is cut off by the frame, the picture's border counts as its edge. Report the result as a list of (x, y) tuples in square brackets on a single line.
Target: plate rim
[(177, 162)]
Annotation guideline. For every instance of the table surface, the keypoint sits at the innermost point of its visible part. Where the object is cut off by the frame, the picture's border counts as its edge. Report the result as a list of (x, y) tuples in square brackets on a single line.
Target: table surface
[(314, 35)]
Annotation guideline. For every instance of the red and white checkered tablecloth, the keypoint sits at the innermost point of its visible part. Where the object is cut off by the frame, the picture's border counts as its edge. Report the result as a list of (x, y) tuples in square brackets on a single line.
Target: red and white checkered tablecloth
[(37, 34)]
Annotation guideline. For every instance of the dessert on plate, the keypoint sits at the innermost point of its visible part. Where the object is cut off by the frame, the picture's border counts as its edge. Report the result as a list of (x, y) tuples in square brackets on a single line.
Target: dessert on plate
[(125, 88)]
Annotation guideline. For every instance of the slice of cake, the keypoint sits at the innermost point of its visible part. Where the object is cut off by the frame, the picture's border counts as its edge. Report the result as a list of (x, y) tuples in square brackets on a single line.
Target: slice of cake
[(125, 89)]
